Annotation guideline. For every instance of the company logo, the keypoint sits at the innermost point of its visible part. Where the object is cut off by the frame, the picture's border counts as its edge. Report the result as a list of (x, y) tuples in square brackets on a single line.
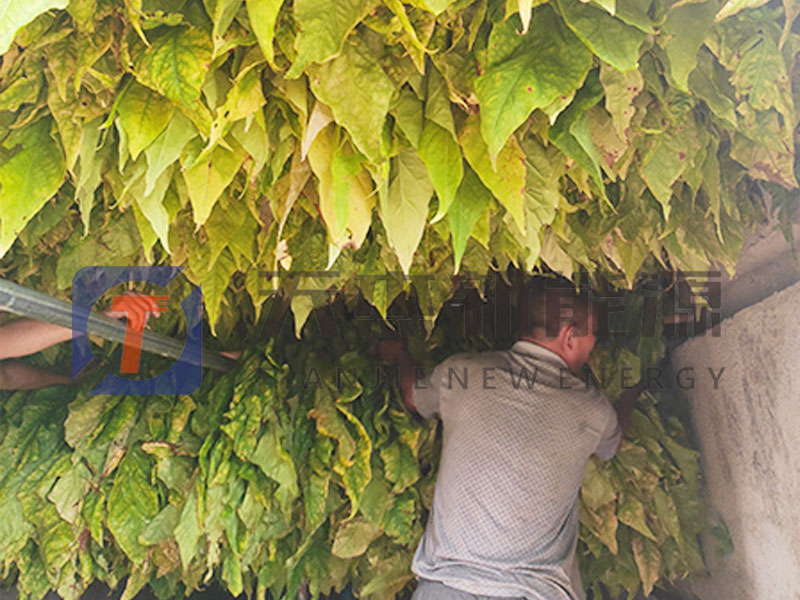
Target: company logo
[(90, 283)]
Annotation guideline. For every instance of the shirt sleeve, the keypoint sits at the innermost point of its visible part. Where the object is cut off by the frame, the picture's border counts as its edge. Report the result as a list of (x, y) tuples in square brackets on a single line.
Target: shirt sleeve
[(609, 440), (425, 392)]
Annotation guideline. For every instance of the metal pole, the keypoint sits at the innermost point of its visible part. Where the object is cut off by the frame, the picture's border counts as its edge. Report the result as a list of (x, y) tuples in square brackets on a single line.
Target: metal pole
[(25, 302)]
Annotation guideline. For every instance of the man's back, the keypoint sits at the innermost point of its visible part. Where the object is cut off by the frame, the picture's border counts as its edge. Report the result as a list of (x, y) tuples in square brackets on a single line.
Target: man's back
[(518, 429)]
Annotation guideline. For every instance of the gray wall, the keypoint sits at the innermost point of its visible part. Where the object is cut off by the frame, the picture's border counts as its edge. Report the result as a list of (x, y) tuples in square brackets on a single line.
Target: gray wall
[(749, 434)]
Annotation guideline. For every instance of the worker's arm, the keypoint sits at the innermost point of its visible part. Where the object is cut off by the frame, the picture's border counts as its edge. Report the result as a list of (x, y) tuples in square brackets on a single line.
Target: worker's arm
[(24, 336), (624, 407), (619, 421), (19, 376), (394, 353)]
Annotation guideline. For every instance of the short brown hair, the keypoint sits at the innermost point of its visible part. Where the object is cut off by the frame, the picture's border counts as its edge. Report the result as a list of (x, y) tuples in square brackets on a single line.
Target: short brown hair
[(545, 305)]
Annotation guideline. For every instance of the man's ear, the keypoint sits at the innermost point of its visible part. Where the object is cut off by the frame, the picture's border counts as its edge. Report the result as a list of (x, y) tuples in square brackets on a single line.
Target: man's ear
[(568, 336)]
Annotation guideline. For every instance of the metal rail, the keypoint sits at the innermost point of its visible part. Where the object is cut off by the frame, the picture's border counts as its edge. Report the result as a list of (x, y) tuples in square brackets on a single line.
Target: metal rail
[(25, 302)]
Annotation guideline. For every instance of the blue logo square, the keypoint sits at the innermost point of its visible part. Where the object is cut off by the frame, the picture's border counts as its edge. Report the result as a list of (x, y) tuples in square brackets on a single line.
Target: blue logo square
[(183, 377)]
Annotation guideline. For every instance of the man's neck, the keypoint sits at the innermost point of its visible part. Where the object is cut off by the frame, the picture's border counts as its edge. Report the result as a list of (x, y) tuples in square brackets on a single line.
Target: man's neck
[(550, 345)]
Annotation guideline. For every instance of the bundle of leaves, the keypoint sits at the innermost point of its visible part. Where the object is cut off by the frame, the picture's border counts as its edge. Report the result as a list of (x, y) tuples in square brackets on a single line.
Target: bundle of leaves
[(369, 139), (301, 467)]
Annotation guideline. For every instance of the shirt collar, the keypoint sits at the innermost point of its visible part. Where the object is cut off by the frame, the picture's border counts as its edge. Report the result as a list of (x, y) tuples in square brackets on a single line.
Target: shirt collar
[(536, 351)]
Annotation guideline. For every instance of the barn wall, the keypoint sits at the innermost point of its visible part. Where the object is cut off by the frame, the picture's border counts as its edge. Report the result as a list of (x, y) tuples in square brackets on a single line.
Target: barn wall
[(748, 428)]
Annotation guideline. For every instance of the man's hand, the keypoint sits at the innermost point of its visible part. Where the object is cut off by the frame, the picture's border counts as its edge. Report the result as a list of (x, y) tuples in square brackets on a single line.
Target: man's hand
[(393, 352), (624, 407), (138, 308)]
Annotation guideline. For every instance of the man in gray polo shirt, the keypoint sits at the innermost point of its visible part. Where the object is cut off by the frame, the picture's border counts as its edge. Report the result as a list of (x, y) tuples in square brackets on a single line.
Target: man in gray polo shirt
[(518, 429)]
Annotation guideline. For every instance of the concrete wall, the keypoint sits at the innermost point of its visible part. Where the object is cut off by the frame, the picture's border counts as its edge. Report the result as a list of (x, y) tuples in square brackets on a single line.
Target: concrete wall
[(749, 434)]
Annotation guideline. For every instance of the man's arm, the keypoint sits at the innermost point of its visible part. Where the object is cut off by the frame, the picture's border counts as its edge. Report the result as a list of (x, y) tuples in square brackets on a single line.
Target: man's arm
[(22, 337), (395, 353), (624, 407), (19, 376)]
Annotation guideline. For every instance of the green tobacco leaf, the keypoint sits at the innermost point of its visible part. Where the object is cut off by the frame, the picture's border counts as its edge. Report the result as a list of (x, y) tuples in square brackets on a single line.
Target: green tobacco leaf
[(152, 207), (162, 526), (15, 14), (84, 415), (708, 81), (353, 538), (548, 62), (243, 101), (92, 164), (662, 167), (761, 76), (437, 6), (398, 522), (133, 502), (324, 25), (409, 40), (648, 561), (315, 499), (572, 132), (144, 114), (243, 425), (222, 16), (596, 489), (29, 178), (442, 157), (68, 492), (22, 90), (263, 14), (544, 168), (405, 210), (400, 466), (471, 201), (167, 147), (188, 532), (358, 92), (345, 189), (377, 498), (631, 513), (409, 116), (667, 513), (731, 7), (276, 463), (175, 65), (684, 30), (207, 178), (214, 282), (390, 575), (345, 166), (610, 39), (506, 177), (230, 225), (437, 101)]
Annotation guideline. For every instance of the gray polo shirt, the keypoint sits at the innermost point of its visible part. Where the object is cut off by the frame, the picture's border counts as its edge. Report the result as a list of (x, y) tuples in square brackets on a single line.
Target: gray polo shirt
[(518, 430)]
